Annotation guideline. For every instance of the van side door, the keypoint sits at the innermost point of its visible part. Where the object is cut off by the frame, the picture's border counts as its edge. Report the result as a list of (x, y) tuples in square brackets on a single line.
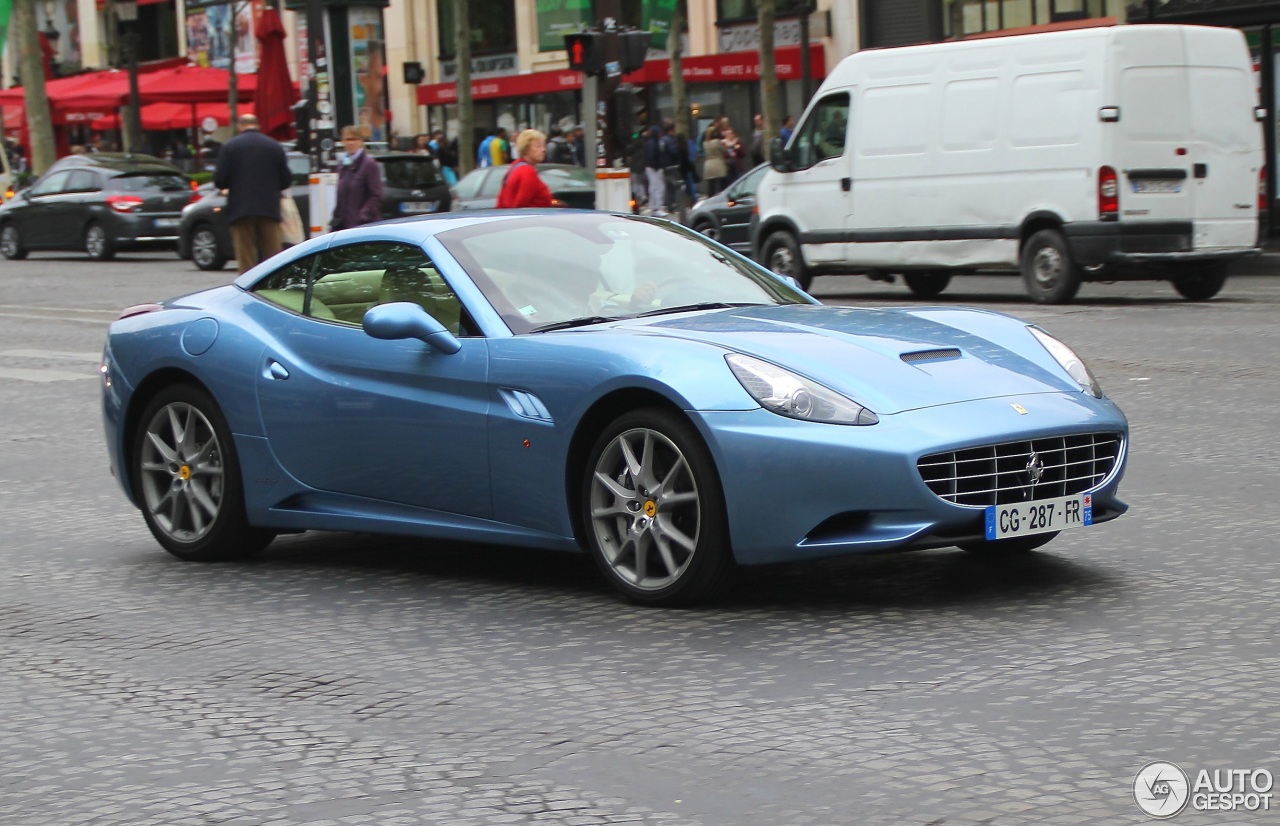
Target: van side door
[(819, 187)]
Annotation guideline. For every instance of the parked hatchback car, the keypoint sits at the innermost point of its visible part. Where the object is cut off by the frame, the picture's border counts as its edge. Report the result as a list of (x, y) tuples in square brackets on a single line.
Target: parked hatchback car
[(412, 185), (571, 186), (726, 217), (98, 203)]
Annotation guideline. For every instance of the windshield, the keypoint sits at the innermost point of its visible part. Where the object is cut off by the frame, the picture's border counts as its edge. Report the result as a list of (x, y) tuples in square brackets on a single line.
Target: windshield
[(548, 270), (409, 173)]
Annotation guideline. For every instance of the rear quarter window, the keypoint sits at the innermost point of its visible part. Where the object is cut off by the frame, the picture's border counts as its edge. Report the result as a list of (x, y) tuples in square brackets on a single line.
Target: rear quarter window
[(148, 183)]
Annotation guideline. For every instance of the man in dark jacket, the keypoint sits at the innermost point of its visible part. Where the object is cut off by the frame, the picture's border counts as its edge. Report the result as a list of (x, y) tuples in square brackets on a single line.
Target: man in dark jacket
[(254, 170), (359, 199)]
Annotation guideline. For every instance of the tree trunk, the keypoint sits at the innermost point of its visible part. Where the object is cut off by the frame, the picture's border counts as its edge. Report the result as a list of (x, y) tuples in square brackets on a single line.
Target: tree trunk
[(679, 97), (769, 108), (466, 114), (44, 150)]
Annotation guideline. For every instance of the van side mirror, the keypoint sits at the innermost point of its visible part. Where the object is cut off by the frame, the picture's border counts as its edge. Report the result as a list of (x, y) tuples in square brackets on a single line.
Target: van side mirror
[(1260, 113), (779, 159)]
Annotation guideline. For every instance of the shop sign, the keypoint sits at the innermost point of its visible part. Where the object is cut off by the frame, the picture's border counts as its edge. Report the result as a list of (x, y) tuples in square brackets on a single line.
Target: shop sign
[(488, 66), (556, 18)]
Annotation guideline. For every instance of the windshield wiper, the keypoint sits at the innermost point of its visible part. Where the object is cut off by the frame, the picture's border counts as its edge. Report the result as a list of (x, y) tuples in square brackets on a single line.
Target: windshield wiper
[(706, 305), (574, 322)]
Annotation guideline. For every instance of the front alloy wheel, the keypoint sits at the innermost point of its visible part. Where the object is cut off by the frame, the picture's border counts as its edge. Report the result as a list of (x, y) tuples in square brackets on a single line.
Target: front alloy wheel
[(97, 244), (187, 479), (654, 511), (204, 249), (11, 243)]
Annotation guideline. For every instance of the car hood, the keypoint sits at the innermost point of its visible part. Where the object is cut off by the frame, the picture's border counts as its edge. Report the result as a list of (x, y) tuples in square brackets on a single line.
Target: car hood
[(860, 352)]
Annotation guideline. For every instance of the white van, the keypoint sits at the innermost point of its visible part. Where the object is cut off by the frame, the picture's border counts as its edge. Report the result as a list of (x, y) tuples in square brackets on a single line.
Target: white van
[(1107, 153)]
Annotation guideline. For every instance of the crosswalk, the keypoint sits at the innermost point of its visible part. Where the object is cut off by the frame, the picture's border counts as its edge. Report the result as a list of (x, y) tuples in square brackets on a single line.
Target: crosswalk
[(43, 366)]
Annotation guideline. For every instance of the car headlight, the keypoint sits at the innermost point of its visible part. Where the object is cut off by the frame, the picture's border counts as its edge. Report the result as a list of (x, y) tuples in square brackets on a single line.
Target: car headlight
[(1070, 362), (794, 396)]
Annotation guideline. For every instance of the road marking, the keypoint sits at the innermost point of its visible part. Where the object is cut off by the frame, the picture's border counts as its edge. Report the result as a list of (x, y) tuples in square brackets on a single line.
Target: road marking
[(23, 374), (53, 355), (44, 374), (99, 322)]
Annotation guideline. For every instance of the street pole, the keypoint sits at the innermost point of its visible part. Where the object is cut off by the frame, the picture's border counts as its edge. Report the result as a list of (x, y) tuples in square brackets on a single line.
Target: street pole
[(127, 16), (806, 71), (233, 98)]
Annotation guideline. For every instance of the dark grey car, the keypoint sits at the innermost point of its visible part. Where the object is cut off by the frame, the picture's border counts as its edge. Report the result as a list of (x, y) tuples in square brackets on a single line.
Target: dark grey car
[(98, 203), (412, 185), (726, 217)]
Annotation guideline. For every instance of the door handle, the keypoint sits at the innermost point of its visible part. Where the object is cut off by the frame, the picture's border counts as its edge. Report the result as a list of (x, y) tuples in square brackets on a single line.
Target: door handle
[(275, 371), (846, 184), (1201, 170)]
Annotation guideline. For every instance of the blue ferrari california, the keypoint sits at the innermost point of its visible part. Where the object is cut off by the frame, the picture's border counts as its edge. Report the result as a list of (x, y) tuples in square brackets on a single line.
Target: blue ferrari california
[(598, 382)]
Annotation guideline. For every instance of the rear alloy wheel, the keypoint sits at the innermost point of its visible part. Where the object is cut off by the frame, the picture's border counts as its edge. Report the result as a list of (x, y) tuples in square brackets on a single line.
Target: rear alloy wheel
[(994, 548), (1202, 286), (708, 229), (11, 243), (204, 249), (97, 244), (1051, 277), (782, 255), (653, 510), (187, 479), (927, 283)]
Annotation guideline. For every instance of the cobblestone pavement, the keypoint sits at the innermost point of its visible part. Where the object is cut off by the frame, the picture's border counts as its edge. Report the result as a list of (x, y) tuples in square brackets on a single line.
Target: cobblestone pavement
[(354, 679)]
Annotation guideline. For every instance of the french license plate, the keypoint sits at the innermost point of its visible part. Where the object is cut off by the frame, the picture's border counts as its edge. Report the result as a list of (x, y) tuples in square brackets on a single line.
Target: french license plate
[(166, 223), (419, 206), (1150, 187), (1025, 518)]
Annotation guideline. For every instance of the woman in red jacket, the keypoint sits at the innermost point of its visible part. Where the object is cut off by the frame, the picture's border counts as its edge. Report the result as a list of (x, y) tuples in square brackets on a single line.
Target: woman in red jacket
[(522, 187)]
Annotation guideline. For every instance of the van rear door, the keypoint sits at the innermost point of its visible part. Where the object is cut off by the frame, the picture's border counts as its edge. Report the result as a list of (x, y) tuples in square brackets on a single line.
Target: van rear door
[(1187, 148), (1226, 140)]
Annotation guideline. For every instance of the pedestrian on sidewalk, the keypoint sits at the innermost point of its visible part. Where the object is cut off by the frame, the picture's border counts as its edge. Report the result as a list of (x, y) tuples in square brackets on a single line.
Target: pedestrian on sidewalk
[(359, 198), (522, 187), (253, 170)]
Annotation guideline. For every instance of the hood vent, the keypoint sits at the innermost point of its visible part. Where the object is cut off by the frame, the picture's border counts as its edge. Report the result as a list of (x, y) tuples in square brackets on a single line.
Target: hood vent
[(930, 355)]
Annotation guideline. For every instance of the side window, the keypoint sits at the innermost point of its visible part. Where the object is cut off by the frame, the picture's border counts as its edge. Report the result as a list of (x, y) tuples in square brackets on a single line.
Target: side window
[(51, 185), (470, 184), (83, 180), (822, 135), (350, 279), (287, 287)]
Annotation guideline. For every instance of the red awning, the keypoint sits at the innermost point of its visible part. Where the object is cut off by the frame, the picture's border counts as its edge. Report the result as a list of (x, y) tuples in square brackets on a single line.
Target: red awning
[(719, 68), (161, 116), (195, 84)]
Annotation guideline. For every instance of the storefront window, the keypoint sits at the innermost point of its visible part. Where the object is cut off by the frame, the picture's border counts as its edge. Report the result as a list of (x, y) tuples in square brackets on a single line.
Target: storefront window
[(493, 27), (730, 11), (967, 17)]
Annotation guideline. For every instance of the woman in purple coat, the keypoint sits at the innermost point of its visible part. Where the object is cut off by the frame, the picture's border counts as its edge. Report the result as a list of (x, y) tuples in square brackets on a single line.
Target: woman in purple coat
[(359, 199)]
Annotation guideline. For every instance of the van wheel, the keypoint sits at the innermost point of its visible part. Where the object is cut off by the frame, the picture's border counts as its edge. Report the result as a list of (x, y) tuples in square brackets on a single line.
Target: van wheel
[(927, 284), (1202, 286), (782, 255), (1047, 269)]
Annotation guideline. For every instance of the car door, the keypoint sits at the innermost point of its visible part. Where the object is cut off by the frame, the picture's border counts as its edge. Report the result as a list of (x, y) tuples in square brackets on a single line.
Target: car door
[(393, 421), (73, 208), (735, 216), (818, 190), (35, 220)]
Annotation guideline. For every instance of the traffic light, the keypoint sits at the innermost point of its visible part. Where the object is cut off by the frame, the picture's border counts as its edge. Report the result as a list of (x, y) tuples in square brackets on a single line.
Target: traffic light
[(635, 45), (586, 51)]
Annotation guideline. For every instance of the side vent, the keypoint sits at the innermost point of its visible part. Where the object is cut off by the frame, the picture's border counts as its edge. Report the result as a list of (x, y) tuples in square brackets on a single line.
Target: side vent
[(930, 355), (524, 404)]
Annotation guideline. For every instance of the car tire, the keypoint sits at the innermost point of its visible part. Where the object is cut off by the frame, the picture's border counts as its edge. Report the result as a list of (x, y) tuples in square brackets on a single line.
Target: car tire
[(708, 228), (1203, 285), (186, 478), (927, 283), (205, 252), (995, 548), (653, 511), (11, 243), (97, 243), (1050, 275), (781, 253)]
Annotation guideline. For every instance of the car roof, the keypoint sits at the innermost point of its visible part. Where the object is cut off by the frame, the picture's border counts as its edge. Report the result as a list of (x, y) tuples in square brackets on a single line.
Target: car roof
[(115, 161)]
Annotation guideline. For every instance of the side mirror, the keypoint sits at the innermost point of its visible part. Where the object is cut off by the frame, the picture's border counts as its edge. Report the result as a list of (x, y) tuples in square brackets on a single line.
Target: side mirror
[(404, 319), (778, 157)]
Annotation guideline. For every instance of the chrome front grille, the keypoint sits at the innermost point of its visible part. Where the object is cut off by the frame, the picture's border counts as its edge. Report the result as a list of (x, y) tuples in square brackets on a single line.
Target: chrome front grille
[(1022, 471)]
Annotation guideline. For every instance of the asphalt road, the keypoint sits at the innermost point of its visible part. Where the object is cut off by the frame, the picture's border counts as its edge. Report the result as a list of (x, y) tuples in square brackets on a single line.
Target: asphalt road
[(355, 679)]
